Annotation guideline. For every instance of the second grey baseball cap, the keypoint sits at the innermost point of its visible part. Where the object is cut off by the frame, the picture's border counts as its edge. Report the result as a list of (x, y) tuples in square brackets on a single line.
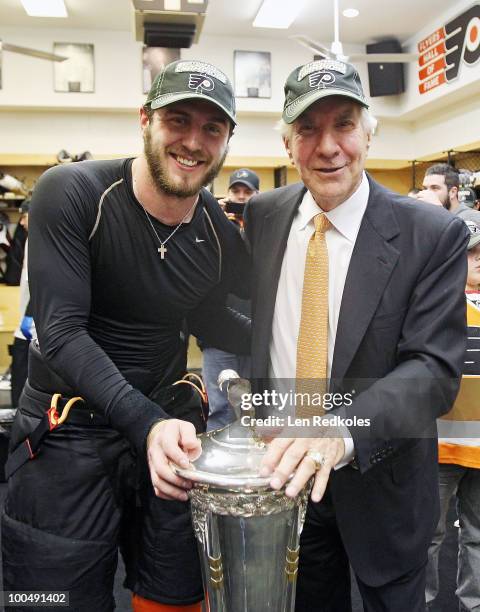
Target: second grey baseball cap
[(474, 230), (320, 79)]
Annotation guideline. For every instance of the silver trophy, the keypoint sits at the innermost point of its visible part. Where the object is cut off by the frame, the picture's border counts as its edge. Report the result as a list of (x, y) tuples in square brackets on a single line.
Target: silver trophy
[(248, 534)]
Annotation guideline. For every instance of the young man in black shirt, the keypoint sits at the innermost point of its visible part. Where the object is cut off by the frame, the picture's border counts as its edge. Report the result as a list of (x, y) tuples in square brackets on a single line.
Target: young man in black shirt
[(121, 254)]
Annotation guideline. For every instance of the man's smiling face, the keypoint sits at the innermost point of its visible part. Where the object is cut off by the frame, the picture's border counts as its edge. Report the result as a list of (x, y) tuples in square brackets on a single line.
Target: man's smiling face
[(185, 146), (328, 145)]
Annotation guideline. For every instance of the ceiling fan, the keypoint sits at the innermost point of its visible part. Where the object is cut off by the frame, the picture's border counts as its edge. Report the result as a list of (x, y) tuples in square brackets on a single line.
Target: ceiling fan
[(52, 57), (336, 48)]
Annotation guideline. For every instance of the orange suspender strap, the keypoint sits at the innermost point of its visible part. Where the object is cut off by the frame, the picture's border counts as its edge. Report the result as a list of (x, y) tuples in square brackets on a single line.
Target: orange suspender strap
[(140, 604), (30, 446)]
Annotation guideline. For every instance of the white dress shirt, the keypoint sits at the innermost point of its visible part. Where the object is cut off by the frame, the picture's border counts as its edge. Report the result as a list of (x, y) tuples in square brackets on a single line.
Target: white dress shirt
[(345, 222)]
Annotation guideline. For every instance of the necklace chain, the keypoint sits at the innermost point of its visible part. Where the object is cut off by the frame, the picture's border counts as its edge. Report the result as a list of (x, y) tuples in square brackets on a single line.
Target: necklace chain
[(162, 248)]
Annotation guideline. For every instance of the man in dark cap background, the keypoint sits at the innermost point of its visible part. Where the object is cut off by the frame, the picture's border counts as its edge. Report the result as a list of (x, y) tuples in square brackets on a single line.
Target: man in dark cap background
[(354, 283), (243, 185), (122, 253)]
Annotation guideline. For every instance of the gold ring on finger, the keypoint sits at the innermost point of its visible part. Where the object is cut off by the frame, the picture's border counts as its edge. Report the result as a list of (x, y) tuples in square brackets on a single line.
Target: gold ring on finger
[(317, 457)]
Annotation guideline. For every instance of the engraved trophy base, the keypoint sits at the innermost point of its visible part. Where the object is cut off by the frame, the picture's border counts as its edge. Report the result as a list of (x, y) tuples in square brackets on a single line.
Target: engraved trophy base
[(249, 561)]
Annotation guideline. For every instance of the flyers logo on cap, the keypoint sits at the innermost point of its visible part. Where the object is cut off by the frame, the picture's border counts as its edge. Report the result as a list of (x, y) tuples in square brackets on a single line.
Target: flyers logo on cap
[(200, 82), (241, 174), (321, 79)]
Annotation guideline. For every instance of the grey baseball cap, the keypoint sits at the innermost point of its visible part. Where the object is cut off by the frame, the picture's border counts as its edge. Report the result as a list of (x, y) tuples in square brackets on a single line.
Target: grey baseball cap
[(467, 196), (245, 176), (474, 230), (189, 80), (320, 79)]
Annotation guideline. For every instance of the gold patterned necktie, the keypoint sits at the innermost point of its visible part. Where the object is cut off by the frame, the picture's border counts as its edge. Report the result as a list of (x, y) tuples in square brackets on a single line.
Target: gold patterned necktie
[(312, 344)]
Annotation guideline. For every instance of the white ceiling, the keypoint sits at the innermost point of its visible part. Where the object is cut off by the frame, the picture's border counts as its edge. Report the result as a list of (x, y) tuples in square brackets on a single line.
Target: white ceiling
[(377, 19)]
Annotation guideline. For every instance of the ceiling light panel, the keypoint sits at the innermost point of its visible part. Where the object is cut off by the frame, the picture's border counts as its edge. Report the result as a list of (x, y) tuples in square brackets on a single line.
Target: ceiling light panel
[(278, 13), (45, 8), (351, 13)]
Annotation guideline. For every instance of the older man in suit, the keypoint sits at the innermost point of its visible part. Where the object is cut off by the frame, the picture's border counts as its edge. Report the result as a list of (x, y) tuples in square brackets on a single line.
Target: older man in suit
[(392, 328)]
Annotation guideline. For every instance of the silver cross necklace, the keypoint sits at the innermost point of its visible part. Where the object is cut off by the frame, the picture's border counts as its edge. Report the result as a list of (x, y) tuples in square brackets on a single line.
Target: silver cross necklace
[(162, 249)]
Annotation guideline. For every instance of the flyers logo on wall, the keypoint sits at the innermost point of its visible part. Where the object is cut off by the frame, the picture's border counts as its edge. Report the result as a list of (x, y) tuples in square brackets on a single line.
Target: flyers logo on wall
[(445, 50)]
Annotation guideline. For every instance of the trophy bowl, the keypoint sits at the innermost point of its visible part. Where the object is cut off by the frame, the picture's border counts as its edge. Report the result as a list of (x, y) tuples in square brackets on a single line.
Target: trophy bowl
[(248, 533)]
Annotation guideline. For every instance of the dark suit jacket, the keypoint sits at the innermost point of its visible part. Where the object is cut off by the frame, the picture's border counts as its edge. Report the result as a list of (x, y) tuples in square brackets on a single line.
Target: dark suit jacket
[(400, 341)]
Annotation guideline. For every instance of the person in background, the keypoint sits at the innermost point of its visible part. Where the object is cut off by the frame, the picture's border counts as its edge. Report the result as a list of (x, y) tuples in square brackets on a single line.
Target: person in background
[(468, 197), (476, 206), (441, 184), (459, 456), (5, 242), (243, 185), (25, 332), (413, 192), (16, 275)]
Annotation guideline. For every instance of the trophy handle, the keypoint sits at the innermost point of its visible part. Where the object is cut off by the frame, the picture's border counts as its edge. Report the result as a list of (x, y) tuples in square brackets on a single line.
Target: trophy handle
[(236, 387)]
